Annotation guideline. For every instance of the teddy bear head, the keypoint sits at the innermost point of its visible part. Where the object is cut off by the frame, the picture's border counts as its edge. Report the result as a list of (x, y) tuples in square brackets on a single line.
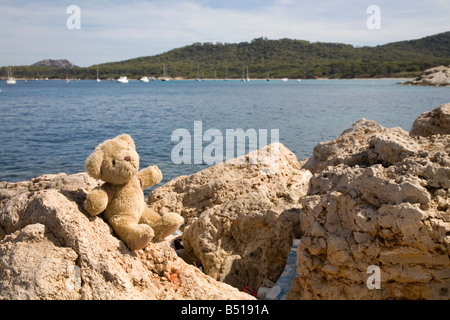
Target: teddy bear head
[(115, 160)]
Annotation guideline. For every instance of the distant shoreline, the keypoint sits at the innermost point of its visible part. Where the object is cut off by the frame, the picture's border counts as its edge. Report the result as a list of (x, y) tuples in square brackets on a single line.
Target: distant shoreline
[(207, 79)]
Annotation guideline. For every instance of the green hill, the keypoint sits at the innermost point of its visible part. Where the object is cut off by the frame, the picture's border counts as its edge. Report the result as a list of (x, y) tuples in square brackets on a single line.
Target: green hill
[(282, 58)]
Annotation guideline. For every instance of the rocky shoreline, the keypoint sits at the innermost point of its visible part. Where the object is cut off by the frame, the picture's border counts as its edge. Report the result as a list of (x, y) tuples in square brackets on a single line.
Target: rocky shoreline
[(437, 76), (373, 196)]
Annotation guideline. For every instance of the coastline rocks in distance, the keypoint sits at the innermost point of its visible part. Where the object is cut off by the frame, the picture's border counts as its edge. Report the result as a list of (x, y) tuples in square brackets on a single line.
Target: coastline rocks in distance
[(240, 221), (50, 248), (379, 197), (437, 76)]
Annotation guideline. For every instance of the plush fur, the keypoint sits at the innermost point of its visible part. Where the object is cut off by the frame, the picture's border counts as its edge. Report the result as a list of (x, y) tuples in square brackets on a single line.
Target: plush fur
[(121, 197)]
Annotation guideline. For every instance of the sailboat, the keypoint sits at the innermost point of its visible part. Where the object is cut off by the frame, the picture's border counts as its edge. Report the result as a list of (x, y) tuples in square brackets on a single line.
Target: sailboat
[(10, 79), (198, 72), (145, 79), (268, 76), (243, 73), (226, 73), (98, 79), (164, 77)]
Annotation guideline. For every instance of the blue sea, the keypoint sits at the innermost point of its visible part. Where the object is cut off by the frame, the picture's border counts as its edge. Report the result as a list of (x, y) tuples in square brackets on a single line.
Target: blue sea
[(52, 126)]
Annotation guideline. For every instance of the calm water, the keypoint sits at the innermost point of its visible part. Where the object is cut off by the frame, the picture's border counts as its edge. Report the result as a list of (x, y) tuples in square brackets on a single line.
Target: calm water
[(51, 126)]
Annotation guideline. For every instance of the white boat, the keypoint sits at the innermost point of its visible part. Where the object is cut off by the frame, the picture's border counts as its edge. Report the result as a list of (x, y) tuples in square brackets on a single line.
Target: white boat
[(152, 79), (144, 79), (298, 80), (98, 79), (10, 79), (122, 79), (164, 78), (284, 79)]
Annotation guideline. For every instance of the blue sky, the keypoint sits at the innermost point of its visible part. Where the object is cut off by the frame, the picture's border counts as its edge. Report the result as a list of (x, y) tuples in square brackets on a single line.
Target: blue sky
[(113, 30)]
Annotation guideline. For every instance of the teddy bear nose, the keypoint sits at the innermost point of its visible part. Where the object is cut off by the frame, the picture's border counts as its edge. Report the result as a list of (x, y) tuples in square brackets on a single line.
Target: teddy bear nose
[(128, 159)]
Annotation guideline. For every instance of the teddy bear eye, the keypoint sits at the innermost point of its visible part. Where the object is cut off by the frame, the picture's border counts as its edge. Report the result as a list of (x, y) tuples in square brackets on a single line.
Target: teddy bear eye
[(114, 162)]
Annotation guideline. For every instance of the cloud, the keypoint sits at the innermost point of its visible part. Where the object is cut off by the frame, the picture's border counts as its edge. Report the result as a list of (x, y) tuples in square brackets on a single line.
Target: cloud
[(114, 30)]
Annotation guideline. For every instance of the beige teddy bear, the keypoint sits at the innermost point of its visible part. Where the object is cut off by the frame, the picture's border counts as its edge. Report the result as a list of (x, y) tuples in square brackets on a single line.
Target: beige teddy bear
[(116, 162)]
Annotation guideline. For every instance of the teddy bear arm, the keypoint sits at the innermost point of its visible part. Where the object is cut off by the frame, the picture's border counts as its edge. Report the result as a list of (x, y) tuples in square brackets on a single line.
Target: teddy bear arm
[(96, 201), (150, 176)]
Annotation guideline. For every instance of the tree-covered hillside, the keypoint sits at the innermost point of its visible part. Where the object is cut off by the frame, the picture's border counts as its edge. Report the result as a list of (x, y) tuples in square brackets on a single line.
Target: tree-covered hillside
[(281, 58)]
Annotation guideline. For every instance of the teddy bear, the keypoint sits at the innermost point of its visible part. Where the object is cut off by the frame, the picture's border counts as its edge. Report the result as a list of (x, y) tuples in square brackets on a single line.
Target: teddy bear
[(121, 197)]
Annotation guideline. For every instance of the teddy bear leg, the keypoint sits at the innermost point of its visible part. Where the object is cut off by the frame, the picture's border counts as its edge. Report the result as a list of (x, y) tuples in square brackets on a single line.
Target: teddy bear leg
[(136, 236), (168, 224), (162, 226)]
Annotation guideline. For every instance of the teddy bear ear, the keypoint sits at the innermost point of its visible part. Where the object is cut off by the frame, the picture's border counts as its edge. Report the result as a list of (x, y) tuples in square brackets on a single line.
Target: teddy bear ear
[(128, 139), (94, 164)]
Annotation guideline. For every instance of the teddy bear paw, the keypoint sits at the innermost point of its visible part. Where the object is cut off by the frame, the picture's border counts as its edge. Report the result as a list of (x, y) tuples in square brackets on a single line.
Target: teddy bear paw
[(168, 224), (140, 237)]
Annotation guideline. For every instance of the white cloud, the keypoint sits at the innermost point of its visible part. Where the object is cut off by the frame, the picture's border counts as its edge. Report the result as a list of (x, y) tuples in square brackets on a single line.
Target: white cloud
[(117, 30)]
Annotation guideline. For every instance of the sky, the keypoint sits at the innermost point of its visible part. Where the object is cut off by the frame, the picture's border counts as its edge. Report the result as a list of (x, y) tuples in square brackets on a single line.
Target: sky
[(112, 30)]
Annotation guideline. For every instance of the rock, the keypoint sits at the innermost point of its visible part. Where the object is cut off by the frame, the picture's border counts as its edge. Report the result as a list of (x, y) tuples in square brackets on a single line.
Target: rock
[(378, 197), (372, 199), (47, 181), (365, 143), (51, 249), (433, 122), (240, 221), (437, 76)]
